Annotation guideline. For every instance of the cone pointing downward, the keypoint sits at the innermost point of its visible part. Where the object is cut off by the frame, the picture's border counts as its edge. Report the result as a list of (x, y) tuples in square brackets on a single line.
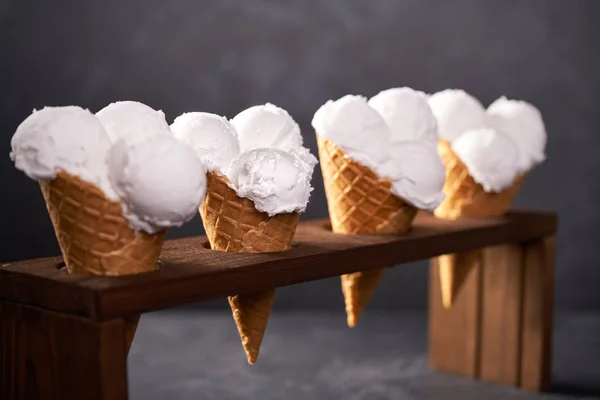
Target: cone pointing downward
[(234, 225), (94, 237), (360, 202), (454, 269), (465, 198), (358, 288), (251, 314)]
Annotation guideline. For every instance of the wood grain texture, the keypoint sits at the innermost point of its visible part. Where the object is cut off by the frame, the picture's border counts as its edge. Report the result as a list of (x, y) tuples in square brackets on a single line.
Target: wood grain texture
[(454, 335), (46, 356), (501, 314), (190, 272), (538, 298)]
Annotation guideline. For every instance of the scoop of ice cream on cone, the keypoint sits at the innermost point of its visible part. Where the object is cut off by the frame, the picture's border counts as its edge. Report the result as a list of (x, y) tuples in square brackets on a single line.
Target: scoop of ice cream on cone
[(267, 126), (132, 121), (490, 157), (271, 127), (355, 128), (407, 113), (456, 112), (418, 173), (379, 166), (487, 154), (524, 124), (274, 180), (258, 186), (481, 175), (212, 137), (63, 139), (69, 152), (161, 181), (233, 224)]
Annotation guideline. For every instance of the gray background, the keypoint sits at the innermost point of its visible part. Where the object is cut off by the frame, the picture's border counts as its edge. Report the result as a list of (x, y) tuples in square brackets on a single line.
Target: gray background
[(223, 56)]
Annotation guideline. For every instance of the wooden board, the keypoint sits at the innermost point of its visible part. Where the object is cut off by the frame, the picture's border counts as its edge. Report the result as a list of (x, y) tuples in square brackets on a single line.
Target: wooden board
[(46, 355), (538, 295), (500, 326), (454, 335), (190, 272), (501, 314)]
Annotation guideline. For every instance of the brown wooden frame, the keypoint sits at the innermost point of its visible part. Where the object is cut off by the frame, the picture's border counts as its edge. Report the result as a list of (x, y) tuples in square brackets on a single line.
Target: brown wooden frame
[(63, 336)]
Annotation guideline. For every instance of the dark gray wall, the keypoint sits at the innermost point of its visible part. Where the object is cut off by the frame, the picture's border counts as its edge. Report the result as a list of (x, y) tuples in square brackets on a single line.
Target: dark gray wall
[(223, 56)]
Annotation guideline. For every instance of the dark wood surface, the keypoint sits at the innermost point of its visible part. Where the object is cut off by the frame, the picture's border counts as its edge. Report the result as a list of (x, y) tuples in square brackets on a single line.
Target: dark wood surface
[(46, 355), (190, 272)]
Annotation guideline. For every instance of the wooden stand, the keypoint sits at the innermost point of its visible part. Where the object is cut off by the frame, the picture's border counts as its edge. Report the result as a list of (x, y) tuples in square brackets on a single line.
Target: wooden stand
[(64, 337), (500, 326)]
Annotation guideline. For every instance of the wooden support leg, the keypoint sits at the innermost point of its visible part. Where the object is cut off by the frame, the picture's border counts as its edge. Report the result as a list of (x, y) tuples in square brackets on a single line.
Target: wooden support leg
[(538, 310), (454, 332), (47, 355), (500, 326), (501, 314)]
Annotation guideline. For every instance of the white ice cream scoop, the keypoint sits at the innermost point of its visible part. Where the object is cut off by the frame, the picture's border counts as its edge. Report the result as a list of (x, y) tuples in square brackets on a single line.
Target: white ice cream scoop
[(356, 128), (407, 113), (406, 156), (275, 180), (212, 137), (456, 112), (417, 173), (132, 121), (266, 126), (524, 124), (161, 181), (63, 138), (490, 156)]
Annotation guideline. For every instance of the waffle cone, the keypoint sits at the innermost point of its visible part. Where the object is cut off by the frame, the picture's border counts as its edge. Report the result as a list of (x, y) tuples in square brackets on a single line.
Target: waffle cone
[(358, 288), (234, 225), (251, 314), (93, 235), (465, 198), (360, 202)]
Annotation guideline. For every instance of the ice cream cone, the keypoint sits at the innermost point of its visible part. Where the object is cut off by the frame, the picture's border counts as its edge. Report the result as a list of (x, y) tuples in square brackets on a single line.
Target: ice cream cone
[(467, 198), (233, 224), (360, 202), (94, 237), (358, 288), (464, 196)]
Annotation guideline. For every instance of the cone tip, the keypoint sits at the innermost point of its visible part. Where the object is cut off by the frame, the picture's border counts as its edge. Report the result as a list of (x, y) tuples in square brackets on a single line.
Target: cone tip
[(352, 320), (447, 301)]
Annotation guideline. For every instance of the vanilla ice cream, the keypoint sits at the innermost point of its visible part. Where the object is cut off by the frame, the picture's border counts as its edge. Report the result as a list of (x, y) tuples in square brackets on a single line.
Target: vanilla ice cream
[(417, 173), (161, 181), (524, 124), (275, 180), (63, 138), (132, 121), (356, 128), (212, 137), (412, 164), (456, 112), (490, 156), (407, 113), (266, 126)]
